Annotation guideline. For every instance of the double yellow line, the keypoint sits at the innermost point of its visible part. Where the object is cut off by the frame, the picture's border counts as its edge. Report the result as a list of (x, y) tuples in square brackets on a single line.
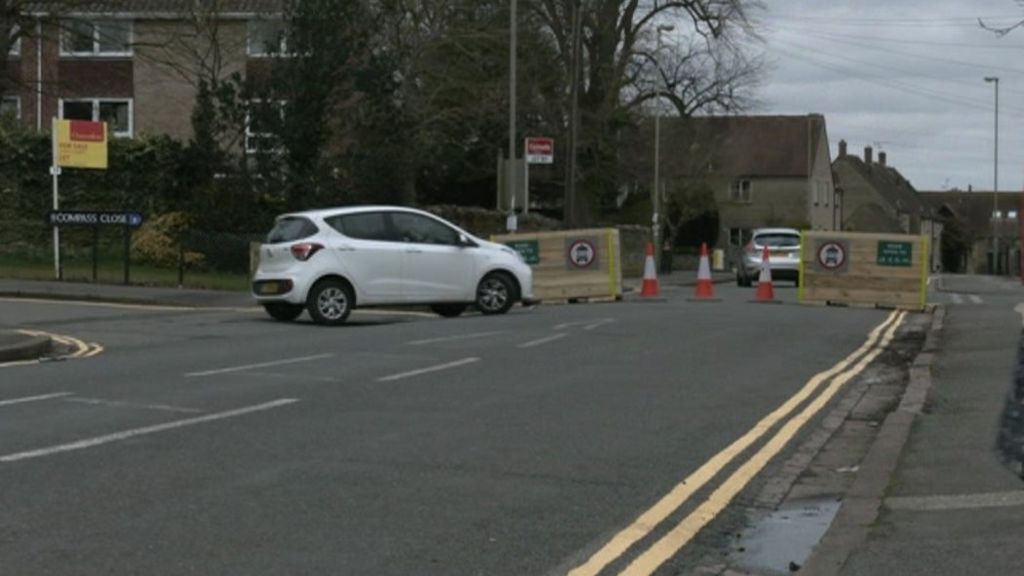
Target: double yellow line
[(670, 544)]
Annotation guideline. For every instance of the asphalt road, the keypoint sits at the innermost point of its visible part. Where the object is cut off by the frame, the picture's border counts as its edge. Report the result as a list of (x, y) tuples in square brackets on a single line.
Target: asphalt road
[(221, 442)]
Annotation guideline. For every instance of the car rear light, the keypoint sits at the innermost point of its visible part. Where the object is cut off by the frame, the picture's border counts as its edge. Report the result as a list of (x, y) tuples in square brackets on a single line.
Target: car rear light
[(305, 250)]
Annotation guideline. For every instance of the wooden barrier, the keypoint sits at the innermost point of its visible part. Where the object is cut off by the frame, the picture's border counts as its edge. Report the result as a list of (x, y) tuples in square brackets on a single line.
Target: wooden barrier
[(887, 270), (571, 264)]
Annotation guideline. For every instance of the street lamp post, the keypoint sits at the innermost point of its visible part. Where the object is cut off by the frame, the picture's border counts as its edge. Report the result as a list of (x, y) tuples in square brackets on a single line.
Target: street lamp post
[(510, 168), (655, 218), (995, 185)]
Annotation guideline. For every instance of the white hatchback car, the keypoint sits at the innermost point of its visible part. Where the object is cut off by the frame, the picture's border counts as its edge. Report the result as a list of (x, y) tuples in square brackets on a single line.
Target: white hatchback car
[(331, 261), (783, 255)]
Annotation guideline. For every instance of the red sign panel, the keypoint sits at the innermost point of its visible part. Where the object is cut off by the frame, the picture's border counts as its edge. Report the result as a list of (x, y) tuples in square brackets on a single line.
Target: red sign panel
[(83, 131), (540, 150)]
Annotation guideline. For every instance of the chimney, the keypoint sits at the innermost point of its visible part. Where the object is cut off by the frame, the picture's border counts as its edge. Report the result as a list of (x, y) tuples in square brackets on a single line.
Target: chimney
[(881, 158), (842, 148), (867, 155), (970, 187)]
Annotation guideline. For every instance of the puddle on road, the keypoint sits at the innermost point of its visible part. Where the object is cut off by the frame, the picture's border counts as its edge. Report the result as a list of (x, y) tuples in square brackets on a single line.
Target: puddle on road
[(774, 540)]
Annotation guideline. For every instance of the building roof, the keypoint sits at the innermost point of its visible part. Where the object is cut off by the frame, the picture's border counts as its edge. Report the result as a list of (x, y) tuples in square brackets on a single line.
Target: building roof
[(889, 183), (758, 146), (974, 208)]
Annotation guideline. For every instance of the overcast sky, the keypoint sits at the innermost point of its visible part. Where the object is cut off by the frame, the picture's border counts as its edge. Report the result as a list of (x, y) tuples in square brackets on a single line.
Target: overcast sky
[(906, 78)]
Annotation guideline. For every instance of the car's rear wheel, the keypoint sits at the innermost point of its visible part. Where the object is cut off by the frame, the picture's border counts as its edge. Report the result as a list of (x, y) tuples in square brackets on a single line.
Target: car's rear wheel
[(330, 302), (495, 294), (448, 310), (283, 311)]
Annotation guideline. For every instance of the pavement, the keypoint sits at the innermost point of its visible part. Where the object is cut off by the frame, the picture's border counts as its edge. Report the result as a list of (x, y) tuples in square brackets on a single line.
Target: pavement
[(934, 495)]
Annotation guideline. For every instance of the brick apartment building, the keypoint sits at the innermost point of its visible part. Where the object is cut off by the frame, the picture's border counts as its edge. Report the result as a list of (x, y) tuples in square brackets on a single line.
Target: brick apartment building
[(135, 64)]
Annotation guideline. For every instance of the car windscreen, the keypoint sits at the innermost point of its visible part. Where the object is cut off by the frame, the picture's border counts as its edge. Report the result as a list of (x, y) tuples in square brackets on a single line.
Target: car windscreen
[(290, 229), (777, 240)]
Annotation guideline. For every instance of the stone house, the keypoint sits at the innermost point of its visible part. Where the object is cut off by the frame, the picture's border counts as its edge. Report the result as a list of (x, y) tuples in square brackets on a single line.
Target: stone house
[(980, 216), (761, 170), (136, 64), (877, 198)]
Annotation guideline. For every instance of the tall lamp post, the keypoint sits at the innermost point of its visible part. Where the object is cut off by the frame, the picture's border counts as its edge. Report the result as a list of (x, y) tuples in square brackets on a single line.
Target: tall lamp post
[(510, 168), (655, 218), (995, 185)]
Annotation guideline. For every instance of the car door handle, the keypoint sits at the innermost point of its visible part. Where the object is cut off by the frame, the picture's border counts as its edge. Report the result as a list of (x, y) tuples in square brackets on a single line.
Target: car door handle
[(346, 249), (413, 251)]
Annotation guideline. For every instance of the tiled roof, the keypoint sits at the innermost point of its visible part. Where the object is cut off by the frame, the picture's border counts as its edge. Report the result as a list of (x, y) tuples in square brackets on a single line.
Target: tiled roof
[(888, 181), (159, 6), (760, 146), (973, 208)]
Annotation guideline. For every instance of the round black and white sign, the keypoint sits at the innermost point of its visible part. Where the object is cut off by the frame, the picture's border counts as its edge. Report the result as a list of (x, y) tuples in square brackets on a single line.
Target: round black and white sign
[(831, 255), (581, 253)]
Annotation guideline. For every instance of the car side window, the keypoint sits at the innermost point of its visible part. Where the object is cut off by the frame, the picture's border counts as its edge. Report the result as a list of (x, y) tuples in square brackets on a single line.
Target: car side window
[(423, 230), (362, 226), (290, 229)]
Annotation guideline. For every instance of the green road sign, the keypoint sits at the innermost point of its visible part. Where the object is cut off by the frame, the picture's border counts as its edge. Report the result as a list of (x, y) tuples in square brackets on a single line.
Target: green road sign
[(528, 249), (895, 253)]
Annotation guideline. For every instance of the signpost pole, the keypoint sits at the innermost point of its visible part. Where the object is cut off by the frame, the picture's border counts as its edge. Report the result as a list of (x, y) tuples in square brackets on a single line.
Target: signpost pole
[(526, 176), (55, 172), (95, 253), (127, 251)]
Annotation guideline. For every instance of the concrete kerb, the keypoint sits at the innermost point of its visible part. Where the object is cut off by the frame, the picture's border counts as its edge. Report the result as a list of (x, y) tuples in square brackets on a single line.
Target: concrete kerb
[(860, 507), (15, 346)]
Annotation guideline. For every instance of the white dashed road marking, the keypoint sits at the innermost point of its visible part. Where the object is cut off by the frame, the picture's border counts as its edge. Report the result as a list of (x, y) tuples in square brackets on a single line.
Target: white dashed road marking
[(540, 341), (260, 365), (126, 434), (428, 370), (454, 338), (120, 404), (34, 398)]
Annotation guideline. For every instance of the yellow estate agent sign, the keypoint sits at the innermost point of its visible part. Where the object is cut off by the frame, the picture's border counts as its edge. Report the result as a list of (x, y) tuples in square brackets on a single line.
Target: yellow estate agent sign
[(81, 144)]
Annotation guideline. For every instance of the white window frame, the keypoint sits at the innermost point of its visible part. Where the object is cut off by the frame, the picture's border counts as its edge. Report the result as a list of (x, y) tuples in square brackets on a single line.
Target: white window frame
[(16, 47), (96, 52), (96, 112), (261, 51), (740, 193), (250, 135), (17, 105)]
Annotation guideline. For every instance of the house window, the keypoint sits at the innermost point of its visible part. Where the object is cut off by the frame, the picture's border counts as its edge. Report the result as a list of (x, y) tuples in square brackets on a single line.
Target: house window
[(739, 236), (16, 44), (740, 191), (117, 113), (262, 123), (100, 38), (266, 38), (10, 107)]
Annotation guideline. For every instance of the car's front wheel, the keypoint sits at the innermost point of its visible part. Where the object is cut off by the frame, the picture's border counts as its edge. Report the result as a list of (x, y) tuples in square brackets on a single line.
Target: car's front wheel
[(330, 302), (283, 311), (495, 294), (448, 310)]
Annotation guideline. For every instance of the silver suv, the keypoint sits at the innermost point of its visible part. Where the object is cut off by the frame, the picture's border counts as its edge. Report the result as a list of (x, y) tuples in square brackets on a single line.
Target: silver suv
[(783, 256)]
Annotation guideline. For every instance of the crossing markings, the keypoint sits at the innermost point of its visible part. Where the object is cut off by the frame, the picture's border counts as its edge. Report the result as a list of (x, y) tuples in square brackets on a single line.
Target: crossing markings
[(682, 492)]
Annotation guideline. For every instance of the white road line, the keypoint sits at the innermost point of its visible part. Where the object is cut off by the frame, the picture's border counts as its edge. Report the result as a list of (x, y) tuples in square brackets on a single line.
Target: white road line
[(260, 365), (540, 341), (976, 299), (126, 434), (428, 370), (957, 299), (454, 338), (33, 398), (571, 324), (121, 404), (598, 324)]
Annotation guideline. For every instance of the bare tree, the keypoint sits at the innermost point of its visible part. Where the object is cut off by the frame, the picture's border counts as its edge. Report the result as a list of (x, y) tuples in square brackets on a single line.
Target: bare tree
[(1003, 30)]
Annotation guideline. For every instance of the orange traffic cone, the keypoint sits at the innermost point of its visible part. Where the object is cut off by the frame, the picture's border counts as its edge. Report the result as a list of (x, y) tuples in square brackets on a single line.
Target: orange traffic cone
[(705, 288), (765, 290), (650, 286)]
